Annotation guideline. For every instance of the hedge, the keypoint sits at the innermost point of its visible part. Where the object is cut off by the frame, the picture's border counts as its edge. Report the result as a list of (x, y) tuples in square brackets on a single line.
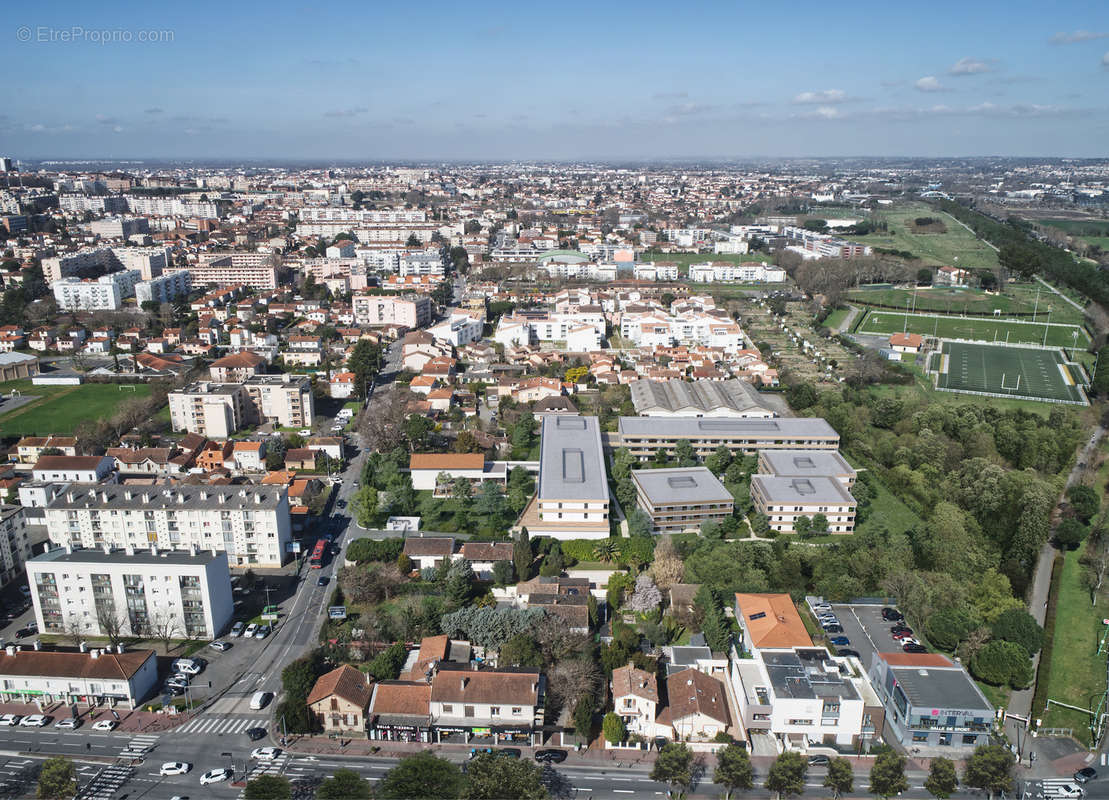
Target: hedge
[(1043, 676)]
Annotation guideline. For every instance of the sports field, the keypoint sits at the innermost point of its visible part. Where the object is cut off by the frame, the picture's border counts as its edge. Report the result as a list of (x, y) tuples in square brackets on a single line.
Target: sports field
[(987, 329), (60, 409), (1029, 373), (1024, 299)]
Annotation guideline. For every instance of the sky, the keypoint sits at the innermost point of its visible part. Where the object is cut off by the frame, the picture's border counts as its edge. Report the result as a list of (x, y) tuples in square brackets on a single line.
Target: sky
[(610, 80)]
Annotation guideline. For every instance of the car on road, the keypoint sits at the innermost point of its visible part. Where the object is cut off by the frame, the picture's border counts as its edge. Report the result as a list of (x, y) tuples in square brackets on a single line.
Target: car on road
[(1085, 775), (840, 641), (254, 734), (216, 776), (322, 580), (35, 721), (105, 725), (892, 615), (237, 629), (342, 504), (221, 646), (265, 753), (251, 629), (27, 630), (68, 724), (915, 648), (174, 768), (550, 756), (259, 700), (9, 720), (818, 761)]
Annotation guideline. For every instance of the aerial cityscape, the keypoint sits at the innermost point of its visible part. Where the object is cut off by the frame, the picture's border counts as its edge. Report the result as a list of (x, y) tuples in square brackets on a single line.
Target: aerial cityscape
[(483, 403)]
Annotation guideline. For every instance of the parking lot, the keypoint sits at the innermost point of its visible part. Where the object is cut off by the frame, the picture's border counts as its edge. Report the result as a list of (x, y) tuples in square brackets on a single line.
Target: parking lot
[(868, 632)]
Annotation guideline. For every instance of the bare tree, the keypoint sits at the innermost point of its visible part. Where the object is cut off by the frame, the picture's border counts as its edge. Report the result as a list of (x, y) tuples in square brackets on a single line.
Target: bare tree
[(164, 627), (382, 423), (111, 623), (1095, 563), (75, 629)]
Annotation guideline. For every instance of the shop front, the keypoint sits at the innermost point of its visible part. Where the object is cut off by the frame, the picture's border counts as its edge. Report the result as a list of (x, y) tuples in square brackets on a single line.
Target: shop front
[(400, 728)]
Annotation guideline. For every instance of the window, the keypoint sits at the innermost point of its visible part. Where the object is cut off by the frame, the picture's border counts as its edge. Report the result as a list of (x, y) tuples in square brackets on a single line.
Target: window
[(494, 711), (468, 711), (919, 736), (515, 711), (448, 708)]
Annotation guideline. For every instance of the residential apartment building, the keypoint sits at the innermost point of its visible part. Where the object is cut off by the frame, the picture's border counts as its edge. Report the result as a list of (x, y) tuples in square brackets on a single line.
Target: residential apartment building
[(149, 261), (572, 501), (460, 329), (656, 271), (217, 410), (106, 592), (119, 227), (423, 262), (681, 498), (15, 544), (644, 436), (807, 464), (285, 399), (250, 524), (409, 312), (784, 499), (72, 469), (581, 331), (121, 679), (164, 288), (660, 329), (105, 293), (725, 271), (256, 270)]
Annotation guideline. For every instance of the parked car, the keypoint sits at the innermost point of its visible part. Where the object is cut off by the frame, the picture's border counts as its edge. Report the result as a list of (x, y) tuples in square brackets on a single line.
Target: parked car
[(833, 629), (221, 646), (847, 651), (1085, 775), (265, 753), (262, 632), (174, 689), (105, 725), (9, 720), (901, 629), (915, 648), (550, 756), (902, 635), (818, 761), (251, 629), (68, 724), (27, 630), (840, 641), (174, 768), (35, 721), (215, 776), (508, 752), (892, 615)]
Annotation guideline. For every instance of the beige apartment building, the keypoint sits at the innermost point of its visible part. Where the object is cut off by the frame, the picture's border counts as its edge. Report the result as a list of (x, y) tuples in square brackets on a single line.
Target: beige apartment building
[(807, 464), (785, 499), (377, 309), (217, 410), (645, 436), (682, 498)]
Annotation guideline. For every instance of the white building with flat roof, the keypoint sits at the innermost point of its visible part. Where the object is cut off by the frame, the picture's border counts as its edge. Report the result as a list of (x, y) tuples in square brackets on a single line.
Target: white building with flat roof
[(132, 593), (93, 676), (784, 499), (572, 501), (681, 498), (164, 288), (105, 293)]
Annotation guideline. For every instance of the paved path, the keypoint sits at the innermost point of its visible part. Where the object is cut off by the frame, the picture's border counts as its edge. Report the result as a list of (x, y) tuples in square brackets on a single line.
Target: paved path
[(849, 320), (1056, 291)]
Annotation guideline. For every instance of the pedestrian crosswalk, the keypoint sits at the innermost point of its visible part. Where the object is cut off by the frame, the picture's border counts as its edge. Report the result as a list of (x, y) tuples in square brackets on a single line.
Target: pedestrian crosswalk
[(274, 767), (218, 725), (105, 784), (15, 775), (138, 746)]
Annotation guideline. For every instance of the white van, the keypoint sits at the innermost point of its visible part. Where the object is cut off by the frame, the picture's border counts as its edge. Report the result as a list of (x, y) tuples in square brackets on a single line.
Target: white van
[(259, 700)]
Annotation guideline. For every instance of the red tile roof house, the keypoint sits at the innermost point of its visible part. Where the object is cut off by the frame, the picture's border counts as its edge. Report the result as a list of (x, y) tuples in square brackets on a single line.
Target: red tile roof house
[(340, 700), (428, 551)]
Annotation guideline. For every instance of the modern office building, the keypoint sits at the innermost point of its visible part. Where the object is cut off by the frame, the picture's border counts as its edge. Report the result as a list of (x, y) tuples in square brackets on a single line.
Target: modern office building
[(681, 498), (645, 436), (138, 593), (249, 523), (931, 702), (784, 499), (572, 501)]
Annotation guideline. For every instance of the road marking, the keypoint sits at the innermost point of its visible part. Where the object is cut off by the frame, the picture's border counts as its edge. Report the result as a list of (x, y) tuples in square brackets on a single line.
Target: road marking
[(623, 791)]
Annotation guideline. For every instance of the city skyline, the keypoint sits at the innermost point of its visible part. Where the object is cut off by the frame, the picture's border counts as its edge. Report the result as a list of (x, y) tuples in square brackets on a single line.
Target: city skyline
[(496, 83)]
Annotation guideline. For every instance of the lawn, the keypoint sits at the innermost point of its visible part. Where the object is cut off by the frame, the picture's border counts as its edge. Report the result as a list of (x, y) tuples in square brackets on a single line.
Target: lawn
[(957, 246), (836, 318), (975, 328), (1014, 371), (1077, 674), (1030, 299), (885, 511), (60, 409), (1088, 229)]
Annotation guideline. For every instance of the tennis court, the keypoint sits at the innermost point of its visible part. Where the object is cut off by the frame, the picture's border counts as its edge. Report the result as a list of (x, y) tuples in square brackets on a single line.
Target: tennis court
[(985, 329), (1024, 372)]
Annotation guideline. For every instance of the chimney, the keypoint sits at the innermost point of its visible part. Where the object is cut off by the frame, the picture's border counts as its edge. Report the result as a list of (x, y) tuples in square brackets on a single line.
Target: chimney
[(130, 550), (464, 681), (104, 497), (119, 649), (69, 547), (192, 549), (153, 549), (83, 647), (257, 499), (10, 649), (221, 498), (37, 645), (94, 653)]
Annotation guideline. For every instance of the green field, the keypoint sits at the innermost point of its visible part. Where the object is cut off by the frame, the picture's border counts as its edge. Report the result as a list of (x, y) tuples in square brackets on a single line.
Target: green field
[(956, 247), (1079, 227), (980, 329), (60, 409), (997, 369), (1022, 298)]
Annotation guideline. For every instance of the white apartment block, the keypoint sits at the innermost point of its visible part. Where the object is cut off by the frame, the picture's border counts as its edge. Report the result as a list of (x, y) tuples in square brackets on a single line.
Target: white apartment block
[(256, 270), (411, 312), (217, 410), (572, 499), (132, 593), (164, 288), (784, 499), (149, 261), (588, 270), (660, 329), (106, 293), (459, 330), (656, 271), (734, 245), (15, 546), (723, 271), (250, 524), (423, 263), (119, 227), (582, 331), (172, 207), (105, 204)]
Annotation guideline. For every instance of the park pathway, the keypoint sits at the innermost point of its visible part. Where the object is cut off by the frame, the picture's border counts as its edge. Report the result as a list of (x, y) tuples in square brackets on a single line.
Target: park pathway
[(1056, 291)]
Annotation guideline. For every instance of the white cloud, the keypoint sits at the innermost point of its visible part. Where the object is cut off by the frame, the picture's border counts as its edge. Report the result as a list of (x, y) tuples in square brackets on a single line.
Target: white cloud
[(1078, 36), (825, 112), (970, 66), (929, 83), (822, 97)]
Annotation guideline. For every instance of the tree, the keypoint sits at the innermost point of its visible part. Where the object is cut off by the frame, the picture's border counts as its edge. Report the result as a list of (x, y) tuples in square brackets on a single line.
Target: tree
[(639, 524), (1070, 533), (819, 525), (1084, 501), (490, 776), (614, 729), (111, 622), (424, 776), (787, 774), (364, 505), (802, 525), (583, 716), (268, 787), (165, 627), (667, 568), (345, 784), (1095, 561), (887, 776), (363, 362), (503, 573), (674, 767), (942, 780), (733, 770), (522, 555), (387, 664), (946, 628), (719, 461), (461, 582), (1001, 663), (57, 779), (1017, 625), (520, 651), (683, 451), (840, 778), (990, 768), (646, 597)]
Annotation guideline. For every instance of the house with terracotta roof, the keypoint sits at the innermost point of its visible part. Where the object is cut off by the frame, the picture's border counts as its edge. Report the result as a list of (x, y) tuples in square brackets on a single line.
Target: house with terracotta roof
[(237, 367), (400, 711), (770, 621), (249, 456), (74, 469), (29, 448), (142, 460), (340, 700), (501, 706), (906, 342), (696, 707), (123, 679), (425, 469), (635, 698), (300, 458), (483, 555)]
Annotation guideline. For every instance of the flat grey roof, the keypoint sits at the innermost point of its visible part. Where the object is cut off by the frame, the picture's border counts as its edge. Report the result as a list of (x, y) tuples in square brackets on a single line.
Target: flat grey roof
[(789, 463), (803, 491), (180, 497), (940, 687), (723, 427), (571, 459), (118, 556), (681, 484), (800, 674)]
